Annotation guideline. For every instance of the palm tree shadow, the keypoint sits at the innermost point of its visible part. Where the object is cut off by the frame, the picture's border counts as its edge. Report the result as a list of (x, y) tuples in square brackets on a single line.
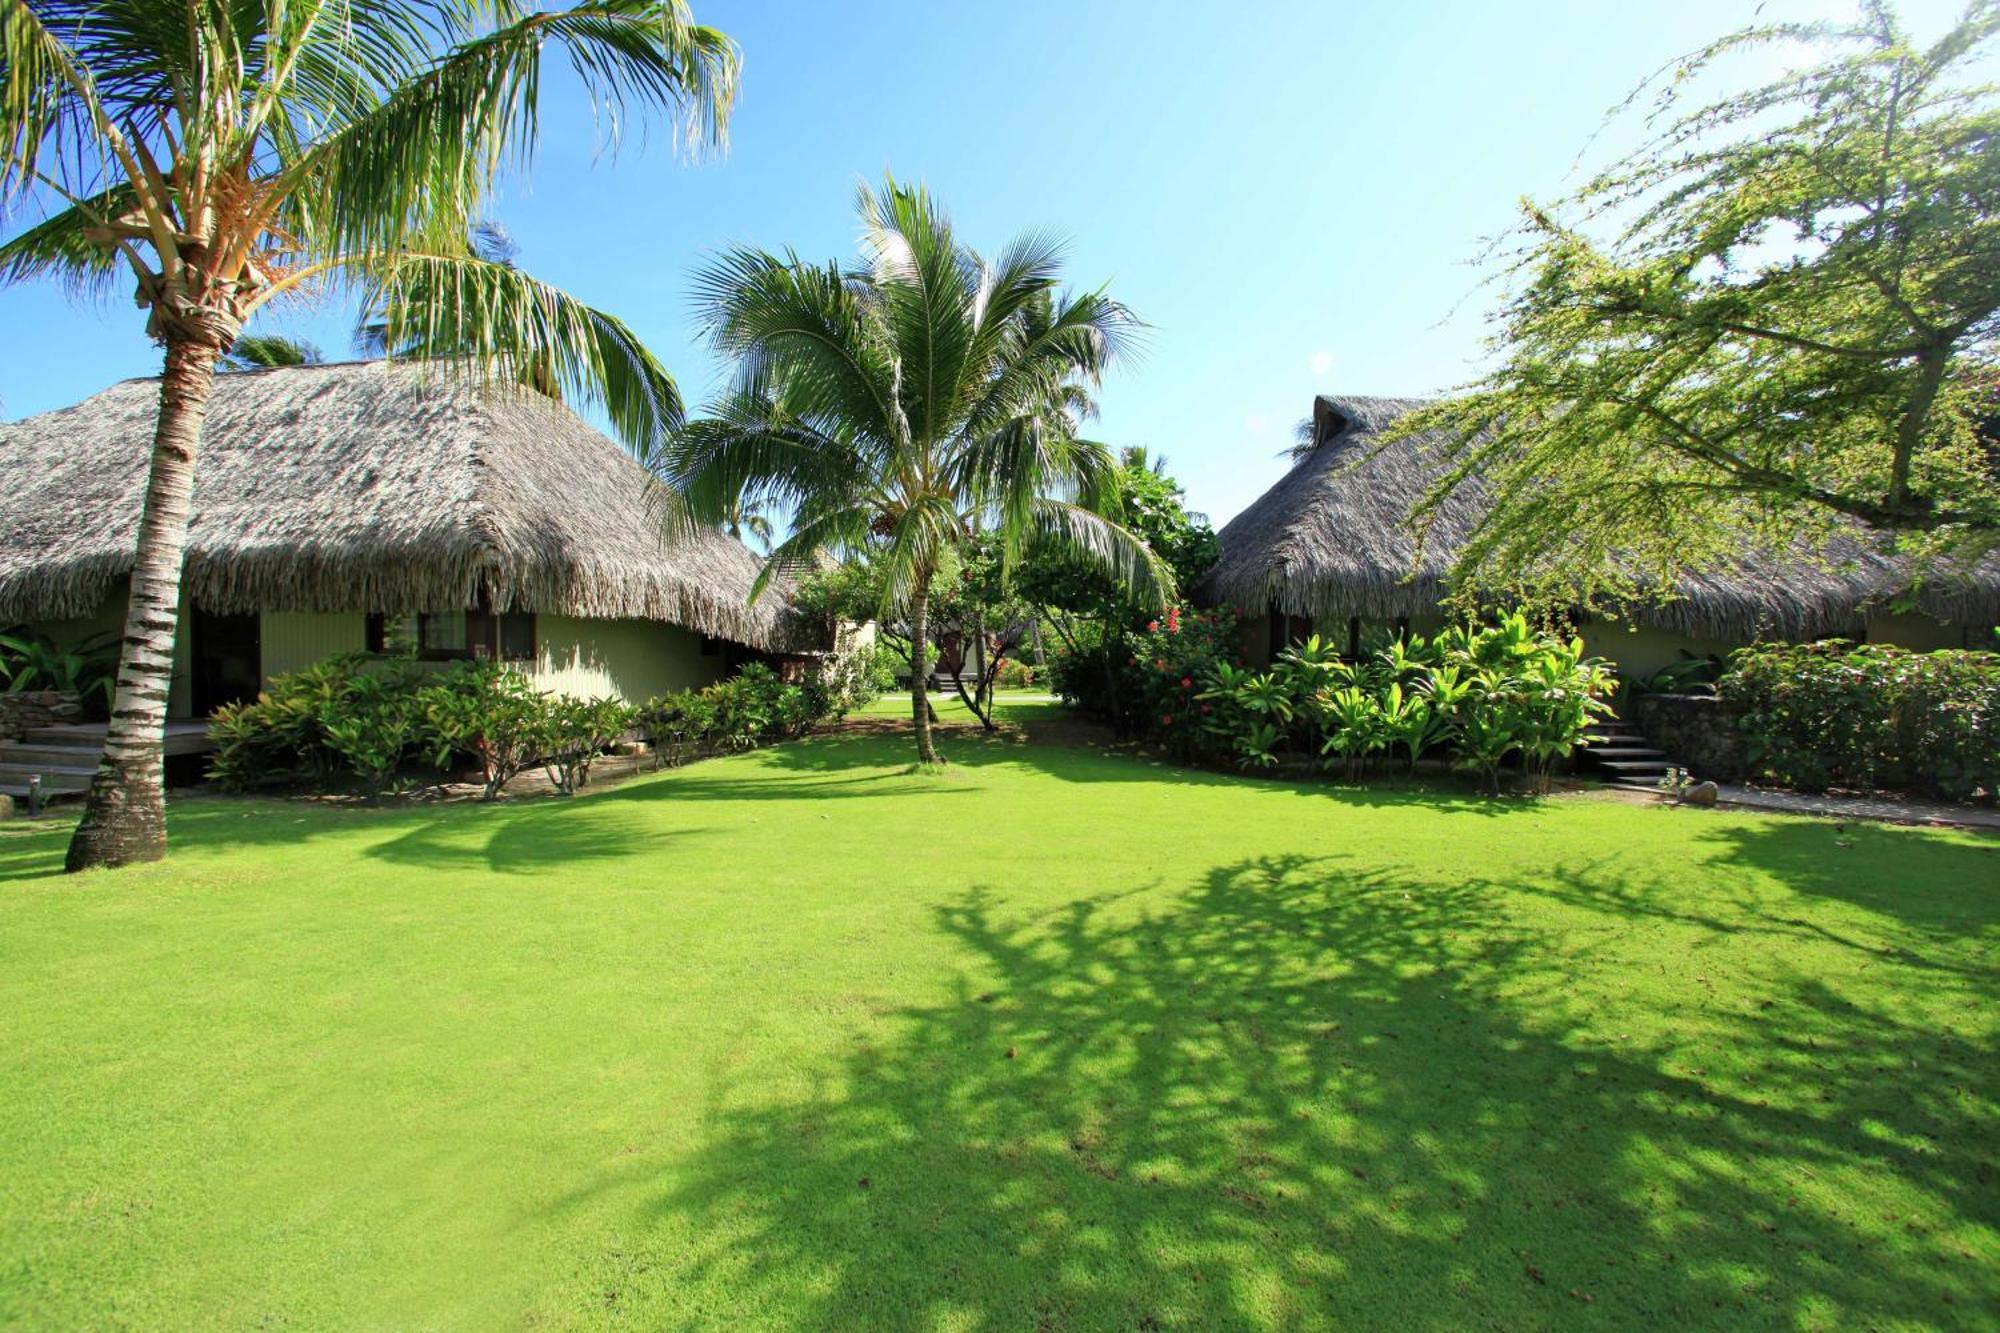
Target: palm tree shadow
[(1299, 1094)]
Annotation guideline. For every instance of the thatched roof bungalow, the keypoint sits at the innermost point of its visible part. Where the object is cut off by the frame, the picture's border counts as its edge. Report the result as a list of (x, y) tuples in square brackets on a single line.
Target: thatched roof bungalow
[(336, 506), (1328, 550)]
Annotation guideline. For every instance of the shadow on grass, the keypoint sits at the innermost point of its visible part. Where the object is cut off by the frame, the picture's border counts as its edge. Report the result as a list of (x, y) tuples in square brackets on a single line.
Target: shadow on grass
[(1302, 1094), (30, 849), (1875, 866)]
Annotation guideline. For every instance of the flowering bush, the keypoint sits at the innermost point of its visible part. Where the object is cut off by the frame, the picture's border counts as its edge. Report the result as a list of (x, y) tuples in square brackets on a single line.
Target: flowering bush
[(1870, 716), (1144, 681)]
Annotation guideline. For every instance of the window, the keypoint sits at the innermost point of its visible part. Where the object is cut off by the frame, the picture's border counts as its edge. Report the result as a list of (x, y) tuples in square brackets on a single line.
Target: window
[(517, 636), (441, 635), (446, 636)]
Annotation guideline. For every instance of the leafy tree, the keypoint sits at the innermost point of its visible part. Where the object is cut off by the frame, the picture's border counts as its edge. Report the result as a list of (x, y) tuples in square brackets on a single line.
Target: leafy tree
[(1789, 342), (1089, 612), (903, 408), (224, 155)]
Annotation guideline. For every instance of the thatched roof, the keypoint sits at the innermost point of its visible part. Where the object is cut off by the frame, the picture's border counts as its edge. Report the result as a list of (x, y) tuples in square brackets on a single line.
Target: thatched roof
[(1331, 540), (363, 487)]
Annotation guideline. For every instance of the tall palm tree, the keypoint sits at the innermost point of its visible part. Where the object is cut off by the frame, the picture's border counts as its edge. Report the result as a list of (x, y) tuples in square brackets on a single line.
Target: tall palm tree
[(223, 154), (902, 407)]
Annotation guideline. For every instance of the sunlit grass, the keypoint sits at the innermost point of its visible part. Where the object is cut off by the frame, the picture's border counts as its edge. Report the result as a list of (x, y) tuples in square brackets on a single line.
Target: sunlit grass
[(1063, 1039)]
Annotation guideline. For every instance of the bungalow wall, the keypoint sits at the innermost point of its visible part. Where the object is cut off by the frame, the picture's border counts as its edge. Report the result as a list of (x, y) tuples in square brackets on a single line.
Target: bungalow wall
[(632, 660)]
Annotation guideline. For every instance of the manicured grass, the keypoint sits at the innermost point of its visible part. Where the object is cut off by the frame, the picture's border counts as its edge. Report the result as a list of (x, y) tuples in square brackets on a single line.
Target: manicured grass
[(1056, 1039)]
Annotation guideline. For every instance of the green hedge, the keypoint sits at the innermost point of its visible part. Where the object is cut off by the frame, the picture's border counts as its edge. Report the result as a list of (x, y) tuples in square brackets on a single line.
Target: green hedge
[(1870, 717)]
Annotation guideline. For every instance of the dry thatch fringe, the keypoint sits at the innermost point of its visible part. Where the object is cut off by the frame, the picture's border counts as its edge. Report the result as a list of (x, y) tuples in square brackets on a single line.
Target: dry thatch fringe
[(1332, 540), (365, 487)]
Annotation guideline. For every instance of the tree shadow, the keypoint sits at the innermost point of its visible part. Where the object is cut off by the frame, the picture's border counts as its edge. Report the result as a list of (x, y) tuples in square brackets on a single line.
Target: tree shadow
[(1874, 866), (33, 848), (1301, 1094), (526, 840)]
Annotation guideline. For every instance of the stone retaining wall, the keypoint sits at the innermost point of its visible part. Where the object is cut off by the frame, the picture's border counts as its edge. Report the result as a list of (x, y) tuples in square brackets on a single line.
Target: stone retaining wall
[(1698, 731), (20, 713)]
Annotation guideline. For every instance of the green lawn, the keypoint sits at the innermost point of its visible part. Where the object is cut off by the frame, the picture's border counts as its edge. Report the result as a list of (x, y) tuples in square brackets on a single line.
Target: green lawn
[(1057, 1039)]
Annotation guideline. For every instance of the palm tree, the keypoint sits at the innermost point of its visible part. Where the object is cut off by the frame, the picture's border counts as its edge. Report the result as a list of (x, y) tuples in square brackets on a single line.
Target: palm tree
[(746, 521), (223, 155), (262, 351), (900, 408)]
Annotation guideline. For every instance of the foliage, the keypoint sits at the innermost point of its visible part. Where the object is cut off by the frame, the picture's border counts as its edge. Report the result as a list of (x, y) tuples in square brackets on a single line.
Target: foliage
[(371, 723), (755, 707), (1153, 507), (1483, 693), (355, 716), (1870, 716), (972, 602), (87, 668), (1014, 674), (1144, 681), (574, 733), (901, 408), (489, 713), (842, 682), (1792, 339), (1692, 673)]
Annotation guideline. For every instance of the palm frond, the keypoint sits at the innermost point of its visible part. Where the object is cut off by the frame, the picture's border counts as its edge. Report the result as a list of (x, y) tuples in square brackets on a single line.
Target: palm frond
[(496, 321), (1110, 547), (67, 246), (381, 180)]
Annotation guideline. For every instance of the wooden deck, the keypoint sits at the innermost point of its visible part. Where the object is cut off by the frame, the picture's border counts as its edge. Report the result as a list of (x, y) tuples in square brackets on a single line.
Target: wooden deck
[(184, 735)]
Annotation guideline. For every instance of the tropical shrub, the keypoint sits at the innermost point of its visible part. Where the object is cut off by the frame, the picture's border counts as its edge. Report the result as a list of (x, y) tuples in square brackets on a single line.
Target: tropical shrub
[(838, 684), (575, 732), (370, 724), (280, 738), (1482, 694), (360, 718), (1869, 717), (87, 668), (488, 713), (1145, 681), (755, 707)]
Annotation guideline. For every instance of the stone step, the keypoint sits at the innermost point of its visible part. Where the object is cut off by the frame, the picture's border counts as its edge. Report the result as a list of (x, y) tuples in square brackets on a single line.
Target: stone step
[(1623, 752), (1628, 767)]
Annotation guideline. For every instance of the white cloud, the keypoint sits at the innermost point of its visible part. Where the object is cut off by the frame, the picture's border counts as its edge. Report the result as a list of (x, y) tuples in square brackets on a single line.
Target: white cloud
[(1322, 364)]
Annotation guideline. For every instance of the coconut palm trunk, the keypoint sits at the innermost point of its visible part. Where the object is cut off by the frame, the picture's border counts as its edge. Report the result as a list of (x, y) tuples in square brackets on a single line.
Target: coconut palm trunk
[(920, 665), (125, 819), (229, 155)]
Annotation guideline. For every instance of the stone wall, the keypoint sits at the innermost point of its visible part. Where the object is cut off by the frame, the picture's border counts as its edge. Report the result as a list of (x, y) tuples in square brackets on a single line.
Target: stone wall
[(36, 708), (1698, 731)]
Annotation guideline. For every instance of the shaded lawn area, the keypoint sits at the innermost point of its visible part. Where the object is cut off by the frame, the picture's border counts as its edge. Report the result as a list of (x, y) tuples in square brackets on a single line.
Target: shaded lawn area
[(1059, 1039)]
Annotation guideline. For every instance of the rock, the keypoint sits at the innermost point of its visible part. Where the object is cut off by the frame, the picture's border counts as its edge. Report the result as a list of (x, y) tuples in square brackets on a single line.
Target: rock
[(6, 806), (1702, 793)]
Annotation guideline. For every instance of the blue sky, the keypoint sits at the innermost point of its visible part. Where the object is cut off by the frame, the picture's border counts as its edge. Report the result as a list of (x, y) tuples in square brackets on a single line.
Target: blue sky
[(1290, 194)]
